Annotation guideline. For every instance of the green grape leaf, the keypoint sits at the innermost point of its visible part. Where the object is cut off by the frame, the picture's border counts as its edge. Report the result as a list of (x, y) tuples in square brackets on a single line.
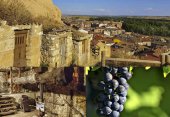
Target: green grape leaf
[(147, 67), (166, 70), (130, 69), (87, 70)]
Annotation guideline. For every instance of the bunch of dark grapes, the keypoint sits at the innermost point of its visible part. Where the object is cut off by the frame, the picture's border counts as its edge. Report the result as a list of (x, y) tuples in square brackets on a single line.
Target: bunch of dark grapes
[(114, 89)]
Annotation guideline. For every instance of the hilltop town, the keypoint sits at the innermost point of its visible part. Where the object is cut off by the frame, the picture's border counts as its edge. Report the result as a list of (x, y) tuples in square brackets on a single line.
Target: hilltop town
[(110, 36), (78, 42)]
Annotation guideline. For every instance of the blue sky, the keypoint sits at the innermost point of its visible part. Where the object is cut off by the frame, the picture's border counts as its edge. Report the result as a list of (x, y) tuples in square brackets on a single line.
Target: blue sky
[(115, 7)]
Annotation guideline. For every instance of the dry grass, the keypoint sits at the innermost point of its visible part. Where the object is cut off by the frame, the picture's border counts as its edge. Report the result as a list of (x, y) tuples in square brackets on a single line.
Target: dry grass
[(17, 12), (14, 12)]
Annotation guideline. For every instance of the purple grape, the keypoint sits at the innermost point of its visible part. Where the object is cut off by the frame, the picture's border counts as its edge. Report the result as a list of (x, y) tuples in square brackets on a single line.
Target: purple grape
[(108, 77), (114, 70), (109, 91), (121, 107), (126, 86), (114, 114), (115, 97), (124, 94), (121, 88), (122, 100), (125, 68), (109, 84), (115, 106), (108, 69), (128, 75), (108, 103), (101, 85), (122, 81), (115, 83), (107, 110)]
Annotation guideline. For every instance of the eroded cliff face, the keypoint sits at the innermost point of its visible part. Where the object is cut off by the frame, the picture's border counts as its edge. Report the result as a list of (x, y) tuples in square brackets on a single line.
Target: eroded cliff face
[(43, 8)]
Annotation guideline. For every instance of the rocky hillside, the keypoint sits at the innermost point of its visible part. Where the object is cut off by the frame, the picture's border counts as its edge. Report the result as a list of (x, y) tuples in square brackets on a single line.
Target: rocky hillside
[(30, 11), (44, 8)]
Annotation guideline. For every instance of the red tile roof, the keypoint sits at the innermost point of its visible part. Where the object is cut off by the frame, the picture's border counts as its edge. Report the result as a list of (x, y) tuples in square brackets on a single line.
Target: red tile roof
[(99, 37)]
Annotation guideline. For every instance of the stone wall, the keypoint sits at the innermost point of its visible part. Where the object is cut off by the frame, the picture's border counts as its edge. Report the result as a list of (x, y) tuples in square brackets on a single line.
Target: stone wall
[(34, 46), (106, 48), (33, 53), (60, 105), (57, 49), (82, 59), (6, 46), (69, 49), (3, 88)]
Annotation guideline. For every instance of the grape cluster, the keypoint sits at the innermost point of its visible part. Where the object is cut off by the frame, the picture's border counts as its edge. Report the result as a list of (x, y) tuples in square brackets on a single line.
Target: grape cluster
[(113, 91)]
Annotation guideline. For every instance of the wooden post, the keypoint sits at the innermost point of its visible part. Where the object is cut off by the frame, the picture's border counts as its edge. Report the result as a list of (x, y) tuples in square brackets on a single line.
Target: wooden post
[(103, 59), (163, 60), (167, 58)]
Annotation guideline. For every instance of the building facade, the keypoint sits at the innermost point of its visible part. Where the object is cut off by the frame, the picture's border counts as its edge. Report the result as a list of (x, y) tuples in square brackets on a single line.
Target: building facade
[(20, 45), (61, 48)]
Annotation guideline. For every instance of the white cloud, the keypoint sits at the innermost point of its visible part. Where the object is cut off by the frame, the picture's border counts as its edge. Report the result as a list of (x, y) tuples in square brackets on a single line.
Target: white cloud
[(149, 9), (101, 10)]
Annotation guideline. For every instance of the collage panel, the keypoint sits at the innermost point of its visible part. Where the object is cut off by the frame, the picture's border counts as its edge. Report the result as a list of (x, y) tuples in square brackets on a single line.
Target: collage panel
[(43, 92), (128, 92)]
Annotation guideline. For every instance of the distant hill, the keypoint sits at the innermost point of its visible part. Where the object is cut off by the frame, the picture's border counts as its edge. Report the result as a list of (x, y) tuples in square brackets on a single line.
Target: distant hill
[(151, 17)]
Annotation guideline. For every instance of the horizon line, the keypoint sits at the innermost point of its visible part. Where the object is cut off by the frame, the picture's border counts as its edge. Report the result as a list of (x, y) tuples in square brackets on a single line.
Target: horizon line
[(116, 15)]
